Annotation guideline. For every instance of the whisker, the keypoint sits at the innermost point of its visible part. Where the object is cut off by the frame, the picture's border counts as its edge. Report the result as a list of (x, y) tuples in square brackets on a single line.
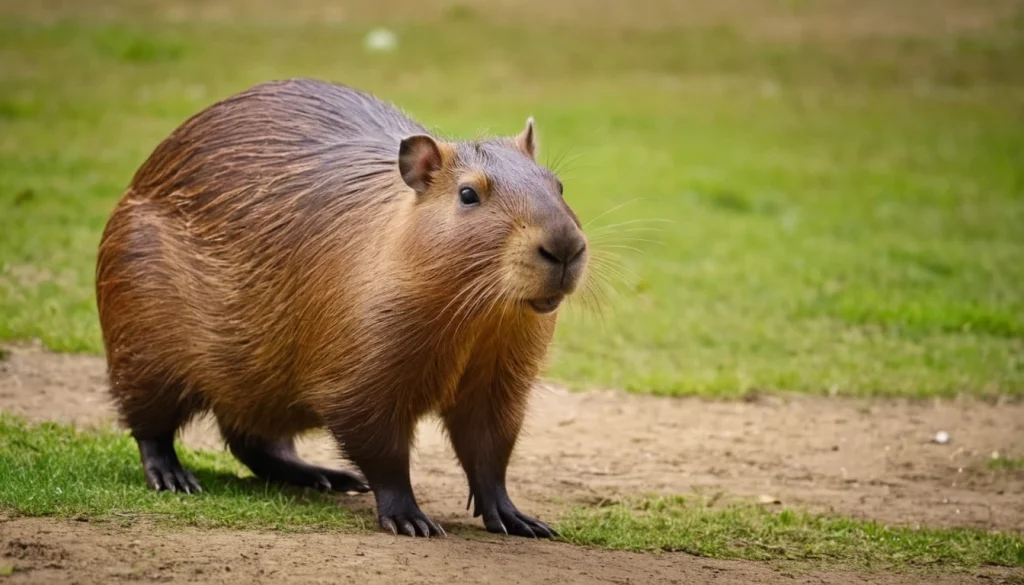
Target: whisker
[(604, 228), (482, 262), (472, 304), (625, 233), (605, 241), (571, 167), (621, 270), (614, 209), (467, 296), (605, 260), (558, 165), (621, 247), (607, 272)]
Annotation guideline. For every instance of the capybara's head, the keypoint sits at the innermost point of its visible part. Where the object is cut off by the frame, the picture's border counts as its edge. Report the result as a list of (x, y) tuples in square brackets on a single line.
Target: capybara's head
[(493, 221)]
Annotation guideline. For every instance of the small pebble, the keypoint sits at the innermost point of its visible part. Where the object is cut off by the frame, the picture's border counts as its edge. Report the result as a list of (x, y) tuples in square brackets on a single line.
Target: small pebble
[(381, 39), (941, 437)]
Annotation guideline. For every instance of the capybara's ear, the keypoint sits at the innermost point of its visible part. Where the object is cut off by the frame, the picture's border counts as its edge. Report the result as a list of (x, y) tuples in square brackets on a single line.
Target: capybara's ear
[(419, 158), (526, 141)]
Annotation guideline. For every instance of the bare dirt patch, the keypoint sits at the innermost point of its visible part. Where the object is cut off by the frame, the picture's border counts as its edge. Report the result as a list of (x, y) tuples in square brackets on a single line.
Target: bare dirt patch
[(105, 553), (868, 459)]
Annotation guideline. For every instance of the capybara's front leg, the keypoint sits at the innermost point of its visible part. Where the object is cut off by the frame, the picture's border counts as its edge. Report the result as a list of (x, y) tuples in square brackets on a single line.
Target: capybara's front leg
[(483, 427), (383, 457)]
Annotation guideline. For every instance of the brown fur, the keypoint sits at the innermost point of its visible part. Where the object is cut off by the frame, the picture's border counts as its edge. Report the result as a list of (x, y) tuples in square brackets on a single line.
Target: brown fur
[(270, 264)]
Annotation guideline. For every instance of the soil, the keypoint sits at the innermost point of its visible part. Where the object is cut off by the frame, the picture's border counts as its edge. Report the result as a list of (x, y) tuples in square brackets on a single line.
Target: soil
[(872, 459)]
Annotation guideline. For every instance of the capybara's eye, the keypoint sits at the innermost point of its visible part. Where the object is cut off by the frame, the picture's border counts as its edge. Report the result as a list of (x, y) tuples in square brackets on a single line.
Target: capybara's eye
[(561, 190), (468, 196)]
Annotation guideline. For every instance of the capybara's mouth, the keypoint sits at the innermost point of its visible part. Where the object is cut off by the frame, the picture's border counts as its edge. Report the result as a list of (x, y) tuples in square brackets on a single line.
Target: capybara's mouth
[(545, 305)]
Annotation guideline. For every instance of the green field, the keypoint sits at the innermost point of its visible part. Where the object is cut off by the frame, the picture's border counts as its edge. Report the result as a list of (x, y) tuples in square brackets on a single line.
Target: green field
[(837, 213)]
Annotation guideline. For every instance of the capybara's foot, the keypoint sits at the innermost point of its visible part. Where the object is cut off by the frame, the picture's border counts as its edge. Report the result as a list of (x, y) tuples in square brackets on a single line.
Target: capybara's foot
[(340, 480), (502, 517), (276, 460), (398, 513), (162, 468), (301, 474), (516, 523)]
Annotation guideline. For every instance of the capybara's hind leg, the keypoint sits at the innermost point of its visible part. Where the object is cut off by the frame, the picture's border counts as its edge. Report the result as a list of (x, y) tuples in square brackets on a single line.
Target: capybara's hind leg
[(154, 412), (276, 460)]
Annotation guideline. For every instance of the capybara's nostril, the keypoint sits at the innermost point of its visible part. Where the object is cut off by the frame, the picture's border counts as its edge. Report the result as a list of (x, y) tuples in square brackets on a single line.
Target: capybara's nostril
[(550, 257)]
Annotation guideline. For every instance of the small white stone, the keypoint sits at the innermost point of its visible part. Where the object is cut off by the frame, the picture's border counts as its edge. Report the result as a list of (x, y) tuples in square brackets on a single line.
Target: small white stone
[(941, 437), (381, 39)]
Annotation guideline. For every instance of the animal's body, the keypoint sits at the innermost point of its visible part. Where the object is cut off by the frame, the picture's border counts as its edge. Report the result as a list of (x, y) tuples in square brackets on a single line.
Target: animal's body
[(303, 255)]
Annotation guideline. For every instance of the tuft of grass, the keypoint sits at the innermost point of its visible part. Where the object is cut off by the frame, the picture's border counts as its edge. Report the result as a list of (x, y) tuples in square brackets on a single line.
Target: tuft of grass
[(756, 533), (51, 469), (1006, 463), (834, 211)]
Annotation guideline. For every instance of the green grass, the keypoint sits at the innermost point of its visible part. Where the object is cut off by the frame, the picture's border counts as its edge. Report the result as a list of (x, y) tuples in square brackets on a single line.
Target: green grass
[(749, 532), (1006, 463), (53, 470), (844, 214)]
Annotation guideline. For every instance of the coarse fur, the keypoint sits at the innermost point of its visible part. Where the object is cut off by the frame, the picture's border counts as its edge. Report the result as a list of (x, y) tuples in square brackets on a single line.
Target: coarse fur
[(302, 255)]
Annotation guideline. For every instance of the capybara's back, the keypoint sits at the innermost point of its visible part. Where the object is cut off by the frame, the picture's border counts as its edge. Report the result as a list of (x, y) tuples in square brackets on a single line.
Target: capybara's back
[(202, 263), (303, 255)]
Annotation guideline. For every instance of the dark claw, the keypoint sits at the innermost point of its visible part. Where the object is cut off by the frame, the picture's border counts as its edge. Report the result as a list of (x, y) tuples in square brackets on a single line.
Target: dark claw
[(520, 528), (152, 479), (397, 507), (412, 522), (506, 519), (169, 481), (344, 481), (539, 528), (421, 528), (494, 524), (389, 525), (545, 531), (162, 469), (186, 482)]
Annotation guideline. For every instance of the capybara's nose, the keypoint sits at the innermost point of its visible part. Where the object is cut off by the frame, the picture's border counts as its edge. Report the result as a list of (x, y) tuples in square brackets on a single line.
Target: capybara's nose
[(564, 249)]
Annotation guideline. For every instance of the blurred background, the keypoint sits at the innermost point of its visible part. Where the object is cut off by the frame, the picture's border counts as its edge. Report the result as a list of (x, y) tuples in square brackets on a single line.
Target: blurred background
[(813, 195)]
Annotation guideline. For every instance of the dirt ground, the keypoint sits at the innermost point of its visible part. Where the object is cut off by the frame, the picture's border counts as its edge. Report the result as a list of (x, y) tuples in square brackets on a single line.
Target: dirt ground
[(867, 459)]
